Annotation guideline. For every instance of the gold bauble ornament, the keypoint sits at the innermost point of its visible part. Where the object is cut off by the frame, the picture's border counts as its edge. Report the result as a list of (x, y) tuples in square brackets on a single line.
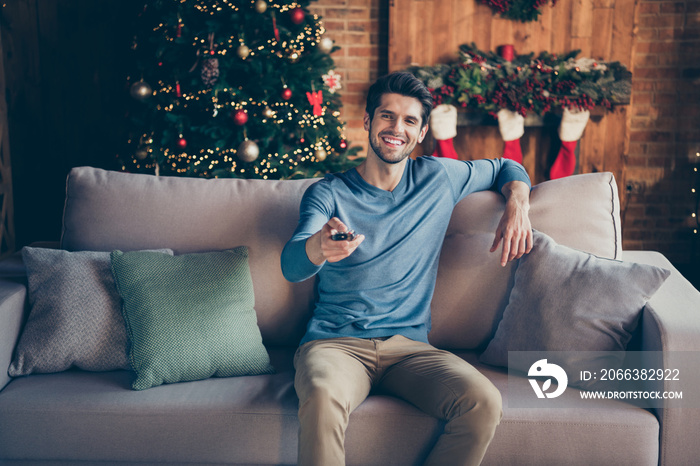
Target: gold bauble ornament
[(320, 154), (243, 51), (248, 151), (268, 113), (261, 6), (141, 90), (141, 153), (325, 45)]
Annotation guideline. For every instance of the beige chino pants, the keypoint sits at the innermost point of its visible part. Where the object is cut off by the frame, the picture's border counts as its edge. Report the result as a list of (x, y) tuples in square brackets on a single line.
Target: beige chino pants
[(334, 376)]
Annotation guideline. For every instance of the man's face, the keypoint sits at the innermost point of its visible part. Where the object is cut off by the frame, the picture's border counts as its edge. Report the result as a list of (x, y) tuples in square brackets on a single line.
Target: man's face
[(395, 128)]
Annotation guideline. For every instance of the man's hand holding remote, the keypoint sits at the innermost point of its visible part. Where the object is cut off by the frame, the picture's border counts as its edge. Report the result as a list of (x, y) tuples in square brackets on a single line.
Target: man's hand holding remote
[(320, 247)]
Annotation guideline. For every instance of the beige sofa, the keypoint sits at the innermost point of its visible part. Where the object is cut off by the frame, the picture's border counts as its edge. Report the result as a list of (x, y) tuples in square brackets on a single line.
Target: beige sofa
[(96, 418)]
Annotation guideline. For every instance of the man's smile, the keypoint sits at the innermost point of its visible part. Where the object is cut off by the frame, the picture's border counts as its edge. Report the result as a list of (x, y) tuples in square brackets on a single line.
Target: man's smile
[(392, 141)]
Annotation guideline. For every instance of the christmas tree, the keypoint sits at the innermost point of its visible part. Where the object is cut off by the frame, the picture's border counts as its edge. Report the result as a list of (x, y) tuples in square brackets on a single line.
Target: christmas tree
[(234, 88)]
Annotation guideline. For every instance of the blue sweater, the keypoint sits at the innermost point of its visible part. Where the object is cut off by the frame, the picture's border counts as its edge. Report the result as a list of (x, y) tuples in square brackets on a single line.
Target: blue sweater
[(385, 287)]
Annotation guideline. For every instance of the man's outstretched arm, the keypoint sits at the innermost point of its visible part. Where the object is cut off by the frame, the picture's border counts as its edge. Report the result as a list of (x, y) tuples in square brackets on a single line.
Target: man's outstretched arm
[(514, 228)]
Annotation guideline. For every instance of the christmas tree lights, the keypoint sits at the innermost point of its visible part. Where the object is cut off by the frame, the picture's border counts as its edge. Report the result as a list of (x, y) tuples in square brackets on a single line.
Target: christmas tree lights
[(234, 88)]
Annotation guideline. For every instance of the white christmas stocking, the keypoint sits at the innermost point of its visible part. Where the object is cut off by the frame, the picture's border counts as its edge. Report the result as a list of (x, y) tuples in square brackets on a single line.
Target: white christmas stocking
[(573, 122), (512, 127), (443, 127)]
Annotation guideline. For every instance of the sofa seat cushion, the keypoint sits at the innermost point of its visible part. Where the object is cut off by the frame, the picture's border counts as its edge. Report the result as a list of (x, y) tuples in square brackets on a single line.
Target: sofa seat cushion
[(599, 432), (97, 417)]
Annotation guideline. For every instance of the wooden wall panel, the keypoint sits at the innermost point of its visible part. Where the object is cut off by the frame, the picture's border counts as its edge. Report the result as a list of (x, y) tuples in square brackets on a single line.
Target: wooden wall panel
[(427, 32), (7, 227), (66, 63)]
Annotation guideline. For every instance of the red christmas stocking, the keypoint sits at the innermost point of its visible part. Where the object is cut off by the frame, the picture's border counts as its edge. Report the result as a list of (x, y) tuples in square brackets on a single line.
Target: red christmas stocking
[(573, 122), (511, 125), (443, 127)]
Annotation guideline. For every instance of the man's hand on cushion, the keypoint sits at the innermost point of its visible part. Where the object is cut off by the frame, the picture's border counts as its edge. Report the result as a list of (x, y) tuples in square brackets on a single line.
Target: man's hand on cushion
[(514, 228)]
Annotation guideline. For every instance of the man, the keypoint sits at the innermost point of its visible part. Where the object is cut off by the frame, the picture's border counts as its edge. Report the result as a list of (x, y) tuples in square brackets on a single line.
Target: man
[(370, 327)]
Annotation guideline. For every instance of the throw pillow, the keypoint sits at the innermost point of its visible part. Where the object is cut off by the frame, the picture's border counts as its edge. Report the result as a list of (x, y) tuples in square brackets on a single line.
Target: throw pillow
[(570, 301), (189, 317), (74, 314)]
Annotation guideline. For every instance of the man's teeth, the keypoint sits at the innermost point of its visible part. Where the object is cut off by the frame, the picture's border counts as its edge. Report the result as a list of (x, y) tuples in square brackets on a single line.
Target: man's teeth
[(392, 141)]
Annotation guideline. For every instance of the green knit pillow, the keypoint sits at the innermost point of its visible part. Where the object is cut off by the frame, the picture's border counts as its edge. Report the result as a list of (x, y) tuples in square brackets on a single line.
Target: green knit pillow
[(189, 317)]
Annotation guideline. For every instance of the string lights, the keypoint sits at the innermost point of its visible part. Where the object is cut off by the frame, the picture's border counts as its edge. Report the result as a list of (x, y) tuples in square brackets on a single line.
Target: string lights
[(230, 83)]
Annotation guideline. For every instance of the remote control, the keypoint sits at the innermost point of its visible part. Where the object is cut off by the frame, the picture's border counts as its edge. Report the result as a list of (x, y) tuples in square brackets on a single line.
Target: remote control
[(344, 236)]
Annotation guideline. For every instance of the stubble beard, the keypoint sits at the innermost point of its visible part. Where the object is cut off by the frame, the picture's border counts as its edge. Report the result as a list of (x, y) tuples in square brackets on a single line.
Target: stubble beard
[(376, 145)]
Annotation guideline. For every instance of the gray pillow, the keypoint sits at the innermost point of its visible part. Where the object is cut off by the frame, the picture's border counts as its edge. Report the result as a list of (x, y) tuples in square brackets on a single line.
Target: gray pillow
[(565, 300), (75, 315)]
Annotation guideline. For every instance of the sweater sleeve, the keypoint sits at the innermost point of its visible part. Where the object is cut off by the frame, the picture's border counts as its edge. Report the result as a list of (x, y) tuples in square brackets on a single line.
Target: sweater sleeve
[(471, 176), (315, 210)]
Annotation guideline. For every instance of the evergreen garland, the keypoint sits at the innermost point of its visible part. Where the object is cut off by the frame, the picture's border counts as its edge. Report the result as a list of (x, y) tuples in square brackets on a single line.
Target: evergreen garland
[(517, 10), (485, 82)]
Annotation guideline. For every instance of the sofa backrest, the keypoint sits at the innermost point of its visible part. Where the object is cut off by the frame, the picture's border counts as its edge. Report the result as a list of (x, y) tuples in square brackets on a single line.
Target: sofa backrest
[(108, 210)]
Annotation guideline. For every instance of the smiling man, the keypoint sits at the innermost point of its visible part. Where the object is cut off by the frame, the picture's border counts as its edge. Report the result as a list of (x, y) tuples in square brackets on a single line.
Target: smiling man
[(369, 330)]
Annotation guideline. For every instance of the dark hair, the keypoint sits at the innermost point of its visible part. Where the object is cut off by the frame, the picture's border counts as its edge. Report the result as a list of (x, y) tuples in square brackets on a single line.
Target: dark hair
[(403, 83)]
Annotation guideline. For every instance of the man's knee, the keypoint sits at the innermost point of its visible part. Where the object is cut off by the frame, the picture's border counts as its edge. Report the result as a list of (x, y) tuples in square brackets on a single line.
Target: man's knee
[(319, 393), (491, 402), (482, 405)]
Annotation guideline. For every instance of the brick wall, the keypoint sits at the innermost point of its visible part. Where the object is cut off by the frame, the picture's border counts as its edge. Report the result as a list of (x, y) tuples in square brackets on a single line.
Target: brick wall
[(360, 28), (664, 130)]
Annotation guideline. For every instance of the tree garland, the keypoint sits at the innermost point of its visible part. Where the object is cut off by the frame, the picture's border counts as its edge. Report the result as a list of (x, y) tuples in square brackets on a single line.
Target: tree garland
[(485, 82), (519, 10)]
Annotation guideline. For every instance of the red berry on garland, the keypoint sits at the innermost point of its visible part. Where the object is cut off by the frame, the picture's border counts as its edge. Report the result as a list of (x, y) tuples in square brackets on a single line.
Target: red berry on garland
[(297, 15), (182, 142), (286, 93), (240, 117)]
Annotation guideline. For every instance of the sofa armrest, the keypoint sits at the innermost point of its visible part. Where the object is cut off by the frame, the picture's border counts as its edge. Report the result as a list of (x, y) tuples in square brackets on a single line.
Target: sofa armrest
[(12, 306), (671, 324)]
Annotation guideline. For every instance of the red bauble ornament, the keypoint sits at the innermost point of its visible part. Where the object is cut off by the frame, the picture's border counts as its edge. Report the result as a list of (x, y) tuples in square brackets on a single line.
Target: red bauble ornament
[(286, 93), (343, 144), (240, 117), (297, 15), (182, 142)]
